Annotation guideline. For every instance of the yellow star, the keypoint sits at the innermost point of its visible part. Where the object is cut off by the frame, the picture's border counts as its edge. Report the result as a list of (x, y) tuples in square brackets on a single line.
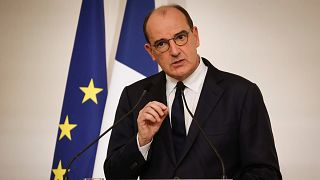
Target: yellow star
[(66, 128), (90, 92), (59, 172)]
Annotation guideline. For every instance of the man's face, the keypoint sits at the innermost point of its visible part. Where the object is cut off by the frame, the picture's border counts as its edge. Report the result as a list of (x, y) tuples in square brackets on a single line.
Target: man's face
[(178, 61)]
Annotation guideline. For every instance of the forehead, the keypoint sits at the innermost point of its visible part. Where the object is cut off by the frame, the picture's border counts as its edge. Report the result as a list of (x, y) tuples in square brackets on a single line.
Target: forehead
[(165, 23)]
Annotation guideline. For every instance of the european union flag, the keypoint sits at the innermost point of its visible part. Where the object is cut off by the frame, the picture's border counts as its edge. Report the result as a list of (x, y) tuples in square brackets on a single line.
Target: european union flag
[(85, 95)]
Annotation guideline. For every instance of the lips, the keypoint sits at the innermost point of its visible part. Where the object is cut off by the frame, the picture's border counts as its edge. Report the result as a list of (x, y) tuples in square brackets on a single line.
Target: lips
[(178, 61)]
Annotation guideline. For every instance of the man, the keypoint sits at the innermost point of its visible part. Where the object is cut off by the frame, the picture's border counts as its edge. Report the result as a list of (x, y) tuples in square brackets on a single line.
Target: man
[(161, 139)]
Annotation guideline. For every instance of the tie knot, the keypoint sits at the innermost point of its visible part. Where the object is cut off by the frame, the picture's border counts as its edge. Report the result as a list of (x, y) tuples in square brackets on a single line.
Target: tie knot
[(180, 86)]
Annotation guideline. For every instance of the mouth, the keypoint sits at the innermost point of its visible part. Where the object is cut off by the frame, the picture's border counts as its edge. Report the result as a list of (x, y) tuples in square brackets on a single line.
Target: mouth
[(178, 62)]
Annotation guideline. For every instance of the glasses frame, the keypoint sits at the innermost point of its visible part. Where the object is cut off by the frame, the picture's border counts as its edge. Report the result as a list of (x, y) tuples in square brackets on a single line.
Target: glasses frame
[(167, 41)]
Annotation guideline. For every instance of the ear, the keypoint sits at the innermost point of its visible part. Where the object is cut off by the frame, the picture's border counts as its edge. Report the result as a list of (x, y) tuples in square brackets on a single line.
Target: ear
[(148, 48), (196, 36)]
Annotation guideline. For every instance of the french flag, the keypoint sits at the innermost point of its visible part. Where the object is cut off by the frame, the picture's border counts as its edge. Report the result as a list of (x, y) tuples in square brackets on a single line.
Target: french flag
[(132, 63)]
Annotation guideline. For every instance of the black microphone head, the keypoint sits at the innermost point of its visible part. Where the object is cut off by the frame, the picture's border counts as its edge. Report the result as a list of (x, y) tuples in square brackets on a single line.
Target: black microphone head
[(147, 87)]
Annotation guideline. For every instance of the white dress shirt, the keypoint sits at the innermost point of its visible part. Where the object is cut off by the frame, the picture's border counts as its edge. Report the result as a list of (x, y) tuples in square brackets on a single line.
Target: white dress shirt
[(194, 84)]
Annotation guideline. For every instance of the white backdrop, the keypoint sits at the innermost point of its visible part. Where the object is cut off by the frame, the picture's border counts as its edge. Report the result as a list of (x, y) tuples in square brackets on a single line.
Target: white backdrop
[(273, 43)]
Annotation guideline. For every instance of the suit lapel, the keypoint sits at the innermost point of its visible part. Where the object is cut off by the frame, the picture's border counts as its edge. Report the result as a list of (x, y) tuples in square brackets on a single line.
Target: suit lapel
[(158, 93), (209, 97)]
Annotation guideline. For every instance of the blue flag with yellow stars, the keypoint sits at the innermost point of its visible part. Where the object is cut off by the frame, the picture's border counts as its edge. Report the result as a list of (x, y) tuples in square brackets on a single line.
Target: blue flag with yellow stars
[(85, 95)]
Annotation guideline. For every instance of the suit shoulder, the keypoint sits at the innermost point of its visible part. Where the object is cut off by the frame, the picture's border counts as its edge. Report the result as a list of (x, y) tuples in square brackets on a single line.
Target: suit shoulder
[(145, 83), (237, 87), (233, 82), (235, 79), (226, 79)]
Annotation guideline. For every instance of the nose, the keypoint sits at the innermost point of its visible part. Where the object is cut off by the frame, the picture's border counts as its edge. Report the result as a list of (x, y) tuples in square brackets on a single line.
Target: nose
[(174, 49)]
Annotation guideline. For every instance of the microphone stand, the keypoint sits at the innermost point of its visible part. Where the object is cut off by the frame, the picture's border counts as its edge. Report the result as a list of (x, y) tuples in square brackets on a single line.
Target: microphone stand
[(212, 147), (65, 176)]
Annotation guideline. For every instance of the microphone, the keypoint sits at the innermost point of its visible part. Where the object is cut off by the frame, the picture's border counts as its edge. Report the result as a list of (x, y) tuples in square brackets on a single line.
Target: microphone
[(145, 90), (211, 145)]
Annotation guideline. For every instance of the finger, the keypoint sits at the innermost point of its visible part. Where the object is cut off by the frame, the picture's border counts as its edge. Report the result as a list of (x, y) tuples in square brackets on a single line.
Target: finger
[(166, 112), (145, 116), (149, 117), (158, 107), (153, 112), (161, 105)]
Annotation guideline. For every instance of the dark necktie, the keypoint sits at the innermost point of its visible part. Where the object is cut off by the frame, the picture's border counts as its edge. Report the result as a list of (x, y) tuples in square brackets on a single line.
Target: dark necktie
[(177, 121)]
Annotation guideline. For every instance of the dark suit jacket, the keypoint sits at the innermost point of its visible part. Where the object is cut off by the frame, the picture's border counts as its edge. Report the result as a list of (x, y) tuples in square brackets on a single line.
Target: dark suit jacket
[(233, 115)]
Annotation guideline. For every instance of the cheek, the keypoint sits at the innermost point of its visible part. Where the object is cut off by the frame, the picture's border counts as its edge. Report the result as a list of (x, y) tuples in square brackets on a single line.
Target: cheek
[(194, 42), (163, 63), (192, 49), (153, 56)]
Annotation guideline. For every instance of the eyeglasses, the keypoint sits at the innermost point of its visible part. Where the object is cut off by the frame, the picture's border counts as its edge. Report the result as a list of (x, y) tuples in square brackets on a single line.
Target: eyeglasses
[(179, 39)]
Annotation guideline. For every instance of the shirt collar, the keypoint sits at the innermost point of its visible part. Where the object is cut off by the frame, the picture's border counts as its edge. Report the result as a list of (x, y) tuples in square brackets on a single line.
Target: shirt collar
[(193, 82)]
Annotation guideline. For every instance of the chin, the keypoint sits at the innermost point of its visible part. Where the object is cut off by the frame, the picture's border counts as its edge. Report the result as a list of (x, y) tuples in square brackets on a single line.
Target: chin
[(180, 77)]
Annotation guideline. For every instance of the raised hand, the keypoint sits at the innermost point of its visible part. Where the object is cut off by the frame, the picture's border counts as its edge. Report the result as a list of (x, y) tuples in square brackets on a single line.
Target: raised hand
[(149, 121)]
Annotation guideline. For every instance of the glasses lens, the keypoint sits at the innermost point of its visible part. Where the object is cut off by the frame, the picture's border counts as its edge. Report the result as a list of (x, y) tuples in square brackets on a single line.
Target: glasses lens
[(181, 39), (162, 45)]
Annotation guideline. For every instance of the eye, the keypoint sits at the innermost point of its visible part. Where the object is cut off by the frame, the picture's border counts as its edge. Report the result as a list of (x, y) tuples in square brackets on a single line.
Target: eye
[(181, 37), (160, 44)]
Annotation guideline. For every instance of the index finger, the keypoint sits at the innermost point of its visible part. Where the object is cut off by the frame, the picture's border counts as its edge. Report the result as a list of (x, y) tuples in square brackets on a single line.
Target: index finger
[(162, 106), (158, 107)]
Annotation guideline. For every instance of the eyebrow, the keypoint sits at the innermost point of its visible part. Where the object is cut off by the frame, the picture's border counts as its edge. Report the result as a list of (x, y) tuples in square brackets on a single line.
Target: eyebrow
[(175, 35)]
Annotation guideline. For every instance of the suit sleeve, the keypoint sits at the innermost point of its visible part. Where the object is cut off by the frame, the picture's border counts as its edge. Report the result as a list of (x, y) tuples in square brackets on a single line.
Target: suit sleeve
[(257, 149), (124, 160)]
